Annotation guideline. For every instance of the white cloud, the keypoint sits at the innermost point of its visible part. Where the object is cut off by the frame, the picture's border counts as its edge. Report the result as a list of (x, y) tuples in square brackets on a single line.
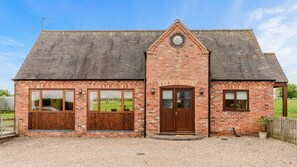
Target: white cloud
[(9, 42), (258, 14), (276, 32)]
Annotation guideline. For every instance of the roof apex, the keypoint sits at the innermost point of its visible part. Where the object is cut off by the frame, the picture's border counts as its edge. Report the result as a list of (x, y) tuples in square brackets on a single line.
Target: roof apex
[(177, 21)]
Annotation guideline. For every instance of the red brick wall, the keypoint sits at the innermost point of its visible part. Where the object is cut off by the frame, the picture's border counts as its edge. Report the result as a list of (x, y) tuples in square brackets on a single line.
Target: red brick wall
[(22, 105), (260, 103), (167, 65)]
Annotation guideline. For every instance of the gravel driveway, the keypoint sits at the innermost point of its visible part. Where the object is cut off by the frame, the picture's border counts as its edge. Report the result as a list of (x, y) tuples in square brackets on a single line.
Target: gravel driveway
[(243, 151)]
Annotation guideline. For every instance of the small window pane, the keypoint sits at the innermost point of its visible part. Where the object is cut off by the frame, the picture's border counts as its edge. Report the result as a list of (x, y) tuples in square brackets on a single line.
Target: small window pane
[(180, 95), (167, 94), (110, 100), (229, 104), (128, 101), (167, 103), (52, 100), (35, 100), (188, 103), (229, 96), (69, 99), (241, 95), (188, 94), (241, 104), (93, 101), (180, 103), (167, 99)]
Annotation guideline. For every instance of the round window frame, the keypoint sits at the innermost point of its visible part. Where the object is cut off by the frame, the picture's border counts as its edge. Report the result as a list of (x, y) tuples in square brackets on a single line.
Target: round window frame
[(173, 44)]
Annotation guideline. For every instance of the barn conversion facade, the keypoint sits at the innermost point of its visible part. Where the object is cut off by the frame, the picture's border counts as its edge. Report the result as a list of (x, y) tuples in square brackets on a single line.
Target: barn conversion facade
[(138, 83)]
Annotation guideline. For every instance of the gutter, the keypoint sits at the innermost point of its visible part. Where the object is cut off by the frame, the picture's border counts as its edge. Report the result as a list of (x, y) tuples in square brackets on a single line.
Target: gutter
[(144, 105), (209, 100)]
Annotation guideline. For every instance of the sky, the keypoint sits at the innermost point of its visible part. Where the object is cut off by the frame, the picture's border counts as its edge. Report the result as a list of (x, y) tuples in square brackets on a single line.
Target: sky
[(273, 21)]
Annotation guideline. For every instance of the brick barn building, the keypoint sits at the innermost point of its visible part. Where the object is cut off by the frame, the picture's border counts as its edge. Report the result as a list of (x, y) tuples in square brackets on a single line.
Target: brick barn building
[(138, 83)]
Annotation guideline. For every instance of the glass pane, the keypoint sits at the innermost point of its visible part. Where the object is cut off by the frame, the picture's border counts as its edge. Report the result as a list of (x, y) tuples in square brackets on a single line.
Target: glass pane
[(69, 98), (167, 99), (167, 94), (229, 96), (241, 95), (52, 100), (241, 105), (128, 101), (35, 100), (93, 101), (167, 103), (110, 100), (188, 103), (188, 94), (229, 104), (180, 103), (180, 94)]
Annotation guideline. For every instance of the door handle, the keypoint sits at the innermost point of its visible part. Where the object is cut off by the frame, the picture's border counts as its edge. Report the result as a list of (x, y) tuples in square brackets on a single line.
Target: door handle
[(175, 113)]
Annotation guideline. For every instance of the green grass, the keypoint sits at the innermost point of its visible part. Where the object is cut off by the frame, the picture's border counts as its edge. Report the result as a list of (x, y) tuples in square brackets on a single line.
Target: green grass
[(107, 106), (8, 115), (292, 108)]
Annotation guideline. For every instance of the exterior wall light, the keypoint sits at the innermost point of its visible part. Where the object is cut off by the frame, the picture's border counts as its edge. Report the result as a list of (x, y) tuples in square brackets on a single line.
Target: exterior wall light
[(153, 90), (80, 91), (201, 91)]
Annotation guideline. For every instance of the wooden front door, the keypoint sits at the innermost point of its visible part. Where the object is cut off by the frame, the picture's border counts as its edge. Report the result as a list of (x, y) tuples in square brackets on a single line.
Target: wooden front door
[(177, 108)]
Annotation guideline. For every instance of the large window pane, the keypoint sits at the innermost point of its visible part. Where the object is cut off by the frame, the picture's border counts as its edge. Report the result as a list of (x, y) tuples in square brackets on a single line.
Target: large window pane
[(93, 101), (52, 100), (128, 102), (69, 99), (35, 100), (110, 100), (167, 99)]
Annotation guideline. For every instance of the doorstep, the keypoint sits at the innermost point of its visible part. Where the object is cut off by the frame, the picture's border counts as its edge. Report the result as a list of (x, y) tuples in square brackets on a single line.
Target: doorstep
[(178, 137)]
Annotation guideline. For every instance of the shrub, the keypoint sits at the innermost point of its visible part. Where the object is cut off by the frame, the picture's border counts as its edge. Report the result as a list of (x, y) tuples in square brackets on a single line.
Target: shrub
[(264, 121)]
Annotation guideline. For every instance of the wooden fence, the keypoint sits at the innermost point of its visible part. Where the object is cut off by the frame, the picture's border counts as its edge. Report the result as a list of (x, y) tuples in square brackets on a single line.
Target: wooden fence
[(284, 129)]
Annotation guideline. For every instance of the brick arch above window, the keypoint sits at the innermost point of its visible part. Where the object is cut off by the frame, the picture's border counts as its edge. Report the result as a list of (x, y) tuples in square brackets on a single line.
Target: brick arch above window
[(177, 82)]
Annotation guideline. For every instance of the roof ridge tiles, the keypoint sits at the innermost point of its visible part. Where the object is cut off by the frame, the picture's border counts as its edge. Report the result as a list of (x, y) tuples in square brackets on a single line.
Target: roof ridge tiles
[(194, 30)]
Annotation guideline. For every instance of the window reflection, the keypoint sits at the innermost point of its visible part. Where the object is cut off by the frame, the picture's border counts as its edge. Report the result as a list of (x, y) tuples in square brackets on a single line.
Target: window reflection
[(52, 100), (110, 100)]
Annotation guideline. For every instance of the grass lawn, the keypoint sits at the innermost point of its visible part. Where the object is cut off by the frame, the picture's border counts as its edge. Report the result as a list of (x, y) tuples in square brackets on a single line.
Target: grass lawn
[(8, 115), (292, 108), (107, 106)]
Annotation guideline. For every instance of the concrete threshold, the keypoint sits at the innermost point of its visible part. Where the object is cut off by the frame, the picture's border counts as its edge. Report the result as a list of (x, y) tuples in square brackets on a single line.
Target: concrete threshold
[(178, 137)]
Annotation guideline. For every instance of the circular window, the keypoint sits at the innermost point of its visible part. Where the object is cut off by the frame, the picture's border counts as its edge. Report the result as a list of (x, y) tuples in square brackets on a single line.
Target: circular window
[(177, 40)]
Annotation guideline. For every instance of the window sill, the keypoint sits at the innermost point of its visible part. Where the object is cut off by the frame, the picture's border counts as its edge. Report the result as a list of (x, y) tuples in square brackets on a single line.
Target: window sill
[(110, 131), (66, 111), (236, 110), (110, 112), (40, 130)]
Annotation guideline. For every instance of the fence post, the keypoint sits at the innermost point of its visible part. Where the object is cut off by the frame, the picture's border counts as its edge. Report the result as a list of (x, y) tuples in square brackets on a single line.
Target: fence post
[(282, 128), (16, 125)]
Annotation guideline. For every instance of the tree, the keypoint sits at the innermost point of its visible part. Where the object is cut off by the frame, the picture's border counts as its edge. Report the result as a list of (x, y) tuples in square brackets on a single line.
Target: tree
[(292, 91), (4, 92)]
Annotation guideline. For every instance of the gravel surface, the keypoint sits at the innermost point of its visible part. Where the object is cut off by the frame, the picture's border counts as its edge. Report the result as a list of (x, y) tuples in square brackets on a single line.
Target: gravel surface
[(243, 151)]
